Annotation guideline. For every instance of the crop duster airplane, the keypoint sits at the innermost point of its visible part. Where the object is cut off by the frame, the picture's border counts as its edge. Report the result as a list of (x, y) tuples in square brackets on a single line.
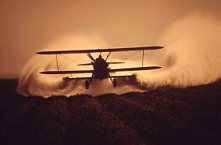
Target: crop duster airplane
[(100, 65)]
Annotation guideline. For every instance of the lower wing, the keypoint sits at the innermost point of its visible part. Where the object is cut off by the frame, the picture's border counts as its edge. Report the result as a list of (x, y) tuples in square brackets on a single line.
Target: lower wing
[(122, 76), (110, 70), (87, 78), (135, 69), (78, 78)]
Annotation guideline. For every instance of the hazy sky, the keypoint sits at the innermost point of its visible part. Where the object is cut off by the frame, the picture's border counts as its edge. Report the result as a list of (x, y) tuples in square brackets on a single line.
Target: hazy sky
[(30, 25)]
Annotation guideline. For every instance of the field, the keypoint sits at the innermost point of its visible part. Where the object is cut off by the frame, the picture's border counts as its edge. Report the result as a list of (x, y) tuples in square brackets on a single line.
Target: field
[(166, 116)]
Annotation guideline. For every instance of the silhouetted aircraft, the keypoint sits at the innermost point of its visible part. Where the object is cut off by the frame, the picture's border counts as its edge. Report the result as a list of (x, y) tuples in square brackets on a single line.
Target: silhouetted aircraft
[(100, 65)]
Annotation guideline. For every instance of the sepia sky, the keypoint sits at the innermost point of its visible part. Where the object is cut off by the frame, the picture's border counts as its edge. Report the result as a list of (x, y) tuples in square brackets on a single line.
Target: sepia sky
[(27, 26)]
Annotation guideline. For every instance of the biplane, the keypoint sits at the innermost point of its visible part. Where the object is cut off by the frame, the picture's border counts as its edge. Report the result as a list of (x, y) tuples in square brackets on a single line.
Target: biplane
[(100, 65)]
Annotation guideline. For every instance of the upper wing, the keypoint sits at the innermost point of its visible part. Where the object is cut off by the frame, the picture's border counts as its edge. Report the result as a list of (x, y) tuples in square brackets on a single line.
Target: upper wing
[(67, 72), (135, 68), (100, 50)]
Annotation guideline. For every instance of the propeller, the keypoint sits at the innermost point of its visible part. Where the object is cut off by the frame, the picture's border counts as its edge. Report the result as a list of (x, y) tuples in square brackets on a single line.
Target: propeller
[(91, 57)]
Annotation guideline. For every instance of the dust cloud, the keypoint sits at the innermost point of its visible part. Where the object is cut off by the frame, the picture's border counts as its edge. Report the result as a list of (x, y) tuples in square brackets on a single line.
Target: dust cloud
[(191, 57)]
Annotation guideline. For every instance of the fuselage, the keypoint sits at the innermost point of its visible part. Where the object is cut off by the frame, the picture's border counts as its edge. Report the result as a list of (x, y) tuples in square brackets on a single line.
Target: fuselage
[(100, 69)]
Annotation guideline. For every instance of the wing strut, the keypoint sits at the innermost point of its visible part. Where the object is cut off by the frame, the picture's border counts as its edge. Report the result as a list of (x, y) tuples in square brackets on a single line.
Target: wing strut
[(108, 55), (57, 62), (142, 57)]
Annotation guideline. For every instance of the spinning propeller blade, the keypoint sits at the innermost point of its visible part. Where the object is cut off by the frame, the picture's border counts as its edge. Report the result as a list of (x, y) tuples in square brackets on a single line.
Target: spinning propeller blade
[(91, 57)]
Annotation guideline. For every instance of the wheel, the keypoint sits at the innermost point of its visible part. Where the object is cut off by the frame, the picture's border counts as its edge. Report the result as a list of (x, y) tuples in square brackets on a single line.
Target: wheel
[(87, 84), (114, 83)]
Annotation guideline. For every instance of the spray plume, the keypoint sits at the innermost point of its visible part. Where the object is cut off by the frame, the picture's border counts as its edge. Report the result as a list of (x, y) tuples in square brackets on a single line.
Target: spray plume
[(191, 57), (192, 54)]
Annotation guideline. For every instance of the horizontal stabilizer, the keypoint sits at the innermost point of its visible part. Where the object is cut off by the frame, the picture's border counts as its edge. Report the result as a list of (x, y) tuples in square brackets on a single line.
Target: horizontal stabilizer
[(83, 64), (67, 72), (120, 62)]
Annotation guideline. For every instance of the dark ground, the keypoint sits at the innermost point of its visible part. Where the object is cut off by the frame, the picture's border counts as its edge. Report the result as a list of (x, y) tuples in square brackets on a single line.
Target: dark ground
[(166, 116)]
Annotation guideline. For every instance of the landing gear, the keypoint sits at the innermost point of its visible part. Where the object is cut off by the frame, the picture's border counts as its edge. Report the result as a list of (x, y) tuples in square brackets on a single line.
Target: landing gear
[(114, 83), (87, 84)]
